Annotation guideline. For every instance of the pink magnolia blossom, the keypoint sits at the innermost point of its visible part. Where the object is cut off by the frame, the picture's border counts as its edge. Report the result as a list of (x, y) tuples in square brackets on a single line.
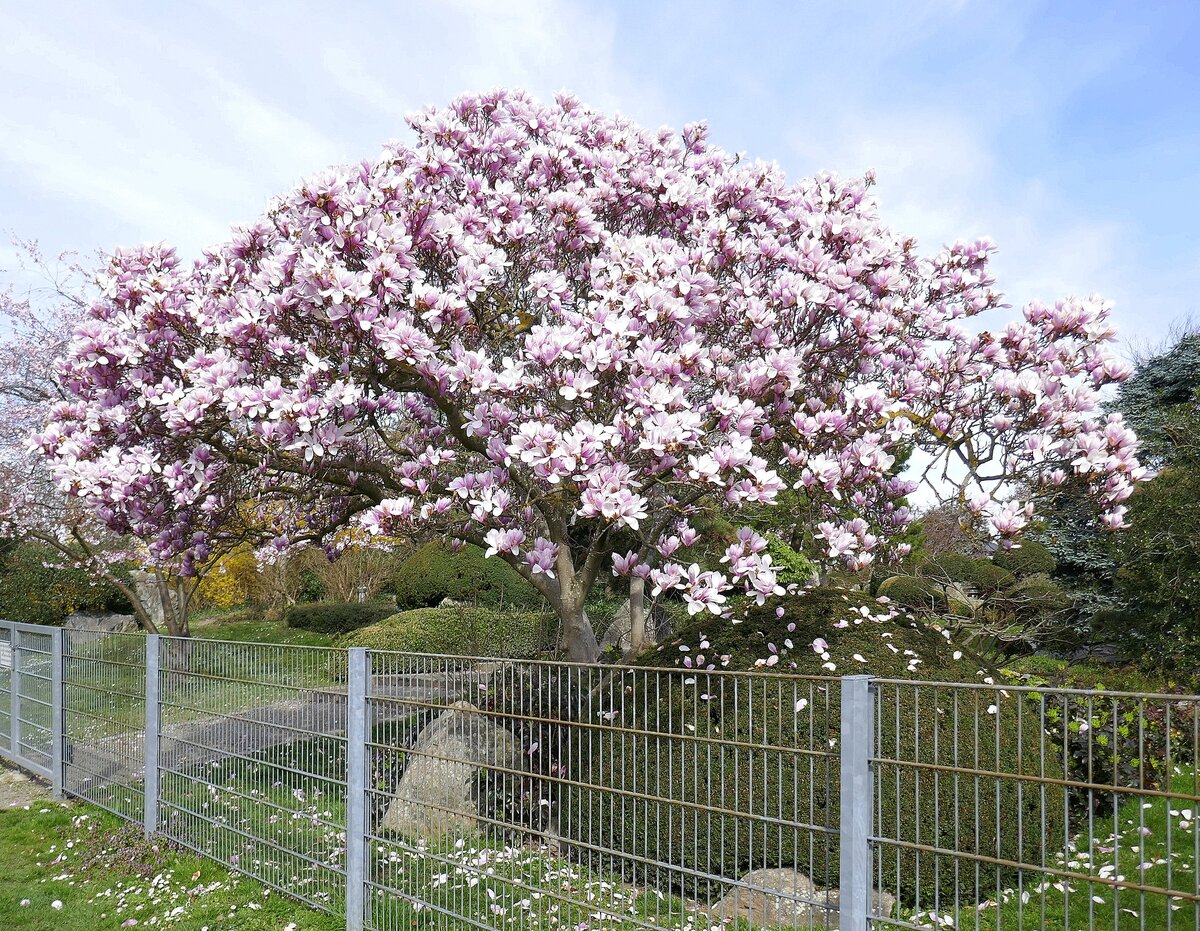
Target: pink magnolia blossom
[(541, 322)]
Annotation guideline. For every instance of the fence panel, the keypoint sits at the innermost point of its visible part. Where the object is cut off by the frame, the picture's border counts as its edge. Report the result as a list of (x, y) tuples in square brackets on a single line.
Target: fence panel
[(6, 668), (104, 683), (559, 795), (252, 760), (32, 657), (1018, 807)]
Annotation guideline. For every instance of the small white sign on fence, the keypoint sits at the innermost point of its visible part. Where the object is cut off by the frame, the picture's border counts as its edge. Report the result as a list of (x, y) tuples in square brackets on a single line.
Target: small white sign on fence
[(5, 655)]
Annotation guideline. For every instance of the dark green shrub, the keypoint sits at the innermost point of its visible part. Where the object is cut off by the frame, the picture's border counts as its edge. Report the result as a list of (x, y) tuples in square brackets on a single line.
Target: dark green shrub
[(311, 587), (435, 572), (1105, 739), (716, 806), (456, 631), (1037, 594), (335, 617), (1029, 558), (909, 591), (541, 703), (36, 588)]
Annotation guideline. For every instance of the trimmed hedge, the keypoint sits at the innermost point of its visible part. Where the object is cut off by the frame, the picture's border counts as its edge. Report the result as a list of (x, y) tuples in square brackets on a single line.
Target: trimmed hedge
[(435, 572), (1037, 594), (36, 593), (982, 575), (335, 617), (457, 631), (779, 770)]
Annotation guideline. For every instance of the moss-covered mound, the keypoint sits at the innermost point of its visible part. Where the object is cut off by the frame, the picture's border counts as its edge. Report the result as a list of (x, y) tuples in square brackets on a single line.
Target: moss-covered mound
[(981, 575), (727, 765), (910, 591), (435, 572)]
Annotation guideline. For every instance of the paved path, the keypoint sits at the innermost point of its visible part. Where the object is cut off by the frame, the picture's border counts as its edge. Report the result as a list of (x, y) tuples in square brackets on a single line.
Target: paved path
[(19, 790), (245, 732)]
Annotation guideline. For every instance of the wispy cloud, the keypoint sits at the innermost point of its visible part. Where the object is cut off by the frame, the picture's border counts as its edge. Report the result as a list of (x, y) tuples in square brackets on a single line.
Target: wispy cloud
[(1067, 136)]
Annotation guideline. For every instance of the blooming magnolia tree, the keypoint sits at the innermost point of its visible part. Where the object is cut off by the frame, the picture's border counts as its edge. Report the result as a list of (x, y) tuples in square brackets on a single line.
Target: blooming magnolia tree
[(540, 328)]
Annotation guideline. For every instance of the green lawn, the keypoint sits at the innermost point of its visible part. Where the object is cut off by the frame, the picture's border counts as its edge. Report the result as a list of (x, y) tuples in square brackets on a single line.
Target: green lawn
[(246, 626), (104, 874)]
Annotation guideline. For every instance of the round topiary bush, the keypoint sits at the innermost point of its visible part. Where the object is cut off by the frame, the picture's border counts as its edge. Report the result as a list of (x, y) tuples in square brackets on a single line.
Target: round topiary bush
[(981, 575), (435, 572), (1028, 558), (712, 770), (1037, 594), (910, 591)]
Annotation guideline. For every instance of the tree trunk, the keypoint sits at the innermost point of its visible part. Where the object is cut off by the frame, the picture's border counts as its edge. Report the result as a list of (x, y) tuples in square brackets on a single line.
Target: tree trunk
[(637, 613), (176, 662), (578, 638)]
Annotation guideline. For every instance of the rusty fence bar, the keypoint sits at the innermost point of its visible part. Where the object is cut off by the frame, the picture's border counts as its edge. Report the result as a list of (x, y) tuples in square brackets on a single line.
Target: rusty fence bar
[(417, 790), (1017, 806)]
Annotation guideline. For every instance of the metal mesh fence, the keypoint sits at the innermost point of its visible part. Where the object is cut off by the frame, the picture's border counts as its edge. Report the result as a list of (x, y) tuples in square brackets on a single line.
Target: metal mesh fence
[(546, 795), (6, 702), (32, 711), (435, 791), (252, 761)]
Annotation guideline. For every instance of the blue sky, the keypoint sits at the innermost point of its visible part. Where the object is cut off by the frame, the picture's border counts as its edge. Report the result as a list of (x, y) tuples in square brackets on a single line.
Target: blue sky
[(1069, 132)]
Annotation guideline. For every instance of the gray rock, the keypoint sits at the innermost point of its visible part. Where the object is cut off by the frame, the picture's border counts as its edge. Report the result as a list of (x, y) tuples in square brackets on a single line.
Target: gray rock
[(435, 796), (156, 599), (786, 898), (89, 626), (772, 901), (658, 627)]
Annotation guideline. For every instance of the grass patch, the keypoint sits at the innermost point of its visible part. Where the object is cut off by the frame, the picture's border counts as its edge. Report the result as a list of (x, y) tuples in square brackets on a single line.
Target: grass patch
[(497, 886), (1133, 846), (245, 627), (105, 874)]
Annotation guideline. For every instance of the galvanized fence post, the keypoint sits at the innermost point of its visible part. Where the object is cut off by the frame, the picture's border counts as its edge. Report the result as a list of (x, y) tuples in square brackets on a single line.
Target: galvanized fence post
[(356, 784), (150, 743), (857, 736), (14, 682), (57, 710)]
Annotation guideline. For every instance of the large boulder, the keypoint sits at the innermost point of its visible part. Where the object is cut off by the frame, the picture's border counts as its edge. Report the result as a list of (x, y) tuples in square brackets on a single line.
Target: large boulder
[(435, 797), (618, 634), (88, 626), (773, 897), (154, 596)]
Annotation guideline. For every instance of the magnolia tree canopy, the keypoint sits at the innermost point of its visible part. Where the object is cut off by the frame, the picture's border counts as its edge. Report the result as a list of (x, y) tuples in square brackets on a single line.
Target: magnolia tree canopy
[(544, 329)]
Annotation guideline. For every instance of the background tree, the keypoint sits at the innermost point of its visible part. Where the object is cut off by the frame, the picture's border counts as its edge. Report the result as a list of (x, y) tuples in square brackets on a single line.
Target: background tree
[(1157, 561), (68, 536), (540, 325), (1140, 586)]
